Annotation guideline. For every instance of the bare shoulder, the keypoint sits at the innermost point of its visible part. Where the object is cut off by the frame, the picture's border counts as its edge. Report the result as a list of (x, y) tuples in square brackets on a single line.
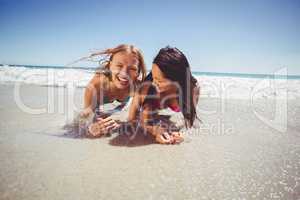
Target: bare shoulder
[(99, 81)]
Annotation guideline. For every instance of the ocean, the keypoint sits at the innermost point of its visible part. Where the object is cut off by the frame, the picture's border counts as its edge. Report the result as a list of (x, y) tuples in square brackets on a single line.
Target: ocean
[(213, 84)]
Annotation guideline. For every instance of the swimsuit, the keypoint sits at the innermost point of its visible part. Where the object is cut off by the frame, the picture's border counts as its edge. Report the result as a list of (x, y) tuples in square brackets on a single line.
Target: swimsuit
[(174, 108), (156, 105), (103, 113)]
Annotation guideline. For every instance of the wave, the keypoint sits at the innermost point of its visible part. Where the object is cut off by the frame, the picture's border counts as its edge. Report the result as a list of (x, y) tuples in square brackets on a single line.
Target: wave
[(46, 76), (215, 85)]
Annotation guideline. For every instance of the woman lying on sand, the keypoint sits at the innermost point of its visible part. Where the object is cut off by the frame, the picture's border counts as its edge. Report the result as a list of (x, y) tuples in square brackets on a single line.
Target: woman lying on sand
[(116, 80), (169, 85)]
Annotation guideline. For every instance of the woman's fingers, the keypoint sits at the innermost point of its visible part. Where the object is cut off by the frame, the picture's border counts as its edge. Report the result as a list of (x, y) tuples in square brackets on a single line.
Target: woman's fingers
[(102, 126), (111, 127), (177, 137), (107, 119), (177, 134), (107, 124), (160, 139), (104, 121), (116, 125), (97, 130), (164, 138), (94, 130)]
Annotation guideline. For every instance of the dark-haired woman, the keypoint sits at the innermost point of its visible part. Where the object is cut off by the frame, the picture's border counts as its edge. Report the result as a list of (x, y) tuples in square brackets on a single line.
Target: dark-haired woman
[(170, 84)]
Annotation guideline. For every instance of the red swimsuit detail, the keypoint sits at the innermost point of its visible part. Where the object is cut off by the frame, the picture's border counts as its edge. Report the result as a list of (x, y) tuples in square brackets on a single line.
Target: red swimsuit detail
[(156, 104)]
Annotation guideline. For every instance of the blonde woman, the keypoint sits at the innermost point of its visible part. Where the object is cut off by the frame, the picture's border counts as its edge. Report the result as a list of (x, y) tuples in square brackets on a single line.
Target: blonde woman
[(122, 71)]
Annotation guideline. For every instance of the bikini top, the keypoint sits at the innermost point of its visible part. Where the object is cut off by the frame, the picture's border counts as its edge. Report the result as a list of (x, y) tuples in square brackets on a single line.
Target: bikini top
[(174, 108), (156, 104), (106, 100)]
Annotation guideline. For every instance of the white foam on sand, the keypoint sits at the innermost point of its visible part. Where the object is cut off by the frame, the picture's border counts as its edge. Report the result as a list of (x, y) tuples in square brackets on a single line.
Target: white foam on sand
[(211, 86), (60, 77), (248, 88)]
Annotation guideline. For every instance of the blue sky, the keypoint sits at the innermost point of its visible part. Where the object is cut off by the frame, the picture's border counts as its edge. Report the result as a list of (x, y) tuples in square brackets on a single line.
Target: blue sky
[(248, 36)]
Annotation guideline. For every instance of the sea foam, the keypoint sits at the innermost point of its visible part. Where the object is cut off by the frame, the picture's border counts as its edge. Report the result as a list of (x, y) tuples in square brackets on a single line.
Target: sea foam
[(213, 86)]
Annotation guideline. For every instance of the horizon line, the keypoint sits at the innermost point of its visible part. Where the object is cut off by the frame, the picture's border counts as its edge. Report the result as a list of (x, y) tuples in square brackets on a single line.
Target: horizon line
[(209, 73)]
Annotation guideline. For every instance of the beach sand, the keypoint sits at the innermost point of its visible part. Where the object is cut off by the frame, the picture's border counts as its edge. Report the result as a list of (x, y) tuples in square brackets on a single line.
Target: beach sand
[(232, 155)]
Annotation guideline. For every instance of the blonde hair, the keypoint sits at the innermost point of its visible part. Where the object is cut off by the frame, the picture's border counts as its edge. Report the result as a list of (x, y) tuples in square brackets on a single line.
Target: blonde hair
[(109, 54)]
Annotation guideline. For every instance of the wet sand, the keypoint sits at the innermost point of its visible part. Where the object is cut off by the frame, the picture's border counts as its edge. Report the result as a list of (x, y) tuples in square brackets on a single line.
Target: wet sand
[(231, 155)]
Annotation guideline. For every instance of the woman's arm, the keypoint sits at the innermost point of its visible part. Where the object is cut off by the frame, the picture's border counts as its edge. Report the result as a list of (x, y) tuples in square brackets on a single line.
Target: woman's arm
[(138, 99), (102, 125), (159, 132), (90, 95), (140, 113), (143, 111), (134, 108)]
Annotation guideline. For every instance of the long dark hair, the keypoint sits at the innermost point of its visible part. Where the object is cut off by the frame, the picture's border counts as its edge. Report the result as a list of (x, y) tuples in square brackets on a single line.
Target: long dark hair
[(175, 66)]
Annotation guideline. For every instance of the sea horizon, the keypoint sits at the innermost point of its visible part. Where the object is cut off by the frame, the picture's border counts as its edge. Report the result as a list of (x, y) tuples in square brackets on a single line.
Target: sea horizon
[(196, 73)]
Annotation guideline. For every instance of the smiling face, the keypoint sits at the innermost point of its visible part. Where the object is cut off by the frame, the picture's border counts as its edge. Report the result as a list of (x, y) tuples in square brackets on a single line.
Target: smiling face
[(124, 68), (164, 85)]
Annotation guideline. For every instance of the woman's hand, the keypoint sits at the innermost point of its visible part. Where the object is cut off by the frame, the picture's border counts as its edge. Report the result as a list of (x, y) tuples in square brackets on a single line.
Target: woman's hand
[(177, 137), (166, 138), (102, 127)]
